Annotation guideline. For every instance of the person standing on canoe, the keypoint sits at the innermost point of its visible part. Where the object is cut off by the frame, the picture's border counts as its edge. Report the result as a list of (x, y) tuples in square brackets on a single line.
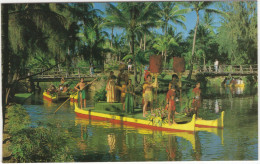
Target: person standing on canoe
[(197, 99), (129, 98), (80, 87), (175, 82), (170, 106), (111, 89), (148, 94)]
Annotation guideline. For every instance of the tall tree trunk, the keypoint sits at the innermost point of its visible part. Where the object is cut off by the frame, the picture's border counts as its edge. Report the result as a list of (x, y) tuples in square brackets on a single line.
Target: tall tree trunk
[(141, 40), (5, 54), (193, 46), (133, 53), (165, 57), (112, 36), (5, 58), (131, 50), (204, 62), (144, 41)]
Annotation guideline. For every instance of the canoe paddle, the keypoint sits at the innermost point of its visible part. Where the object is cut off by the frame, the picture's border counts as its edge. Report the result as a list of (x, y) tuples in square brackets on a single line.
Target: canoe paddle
[(73, 93)]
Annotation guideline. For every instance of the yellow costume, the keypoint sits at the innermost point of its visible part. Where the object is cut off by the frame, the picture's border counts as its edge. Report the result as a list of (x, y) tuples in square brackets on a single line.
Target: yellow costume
[(147, 95), (111, 91)]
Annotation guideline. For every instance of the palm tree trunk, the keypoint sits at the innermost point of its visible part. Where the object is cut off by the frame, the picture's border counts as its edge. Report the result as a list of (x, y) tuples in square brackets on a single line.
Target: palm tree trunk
[(131, 50), (193, 46), (204, 62), (144, 41), (141, 40), (165, 56), (133, 53), (111, 44)]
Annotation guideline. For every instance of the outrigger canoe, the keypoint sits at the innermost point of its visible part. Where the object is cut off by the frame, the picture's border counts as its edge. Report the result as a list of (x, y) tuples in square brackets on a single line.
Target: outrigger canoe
[(74, 97), (217, 123), (132, 120), (55, 97), (50, 97)]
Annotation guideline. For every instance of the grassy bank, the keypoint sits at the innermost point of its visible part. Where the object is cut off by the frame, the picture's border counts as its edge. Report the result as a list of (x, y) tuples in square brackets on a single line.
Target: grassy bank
[(21, 97)]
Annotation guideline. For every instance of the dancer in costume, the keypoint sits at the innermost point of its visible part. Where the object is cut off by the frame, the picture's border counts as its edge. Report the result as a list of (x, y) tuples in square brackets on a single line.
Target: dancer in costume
[(111, 89), (197, 99), (170, 106), (148, 94), (129, 98)]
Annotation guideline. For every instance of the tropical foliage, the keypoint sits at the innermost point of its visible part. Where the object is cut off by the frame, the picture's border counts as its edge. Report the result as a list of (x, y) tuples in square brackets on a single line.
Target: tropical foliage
[(66, 34)]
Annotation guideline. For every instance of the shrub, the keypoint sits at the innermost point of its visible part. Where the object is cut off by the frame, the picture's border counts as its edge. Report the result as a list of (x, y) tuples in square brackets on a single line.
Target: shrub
[(18, 118), (100, 95), (42, 144)]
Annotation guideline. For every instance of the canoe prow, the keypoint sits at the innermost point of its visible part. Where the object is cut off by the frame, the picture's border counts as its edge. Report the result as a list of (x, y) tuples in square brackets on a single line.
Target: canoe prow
[(217, 123), (190, 126)]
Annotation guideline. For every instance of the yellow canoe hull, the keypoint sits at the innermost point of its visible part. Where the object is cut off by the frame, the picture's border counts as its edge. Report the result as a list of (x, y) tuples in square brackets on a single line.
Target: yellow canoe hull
[(74, 97), (49, 97), (217, 123), (189, 127)]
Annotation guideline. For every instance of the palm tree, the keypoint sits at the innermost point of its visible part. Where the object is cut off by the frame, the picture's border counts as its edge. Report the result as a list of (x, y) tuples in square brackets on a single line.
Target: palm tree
[(131, 16), (163, 42), (198, 6), (170, 12)]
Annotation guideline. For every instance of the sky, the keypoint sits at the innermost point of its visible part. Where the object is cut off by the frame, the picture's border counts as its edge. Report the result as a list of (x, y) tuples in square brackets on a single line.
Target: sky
[(190, 20)]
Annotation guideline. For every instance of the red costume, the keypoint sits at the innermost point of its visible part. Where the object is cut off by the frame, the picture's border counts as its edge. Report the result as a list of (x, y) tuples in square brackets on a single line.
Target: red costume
[(170, 97)]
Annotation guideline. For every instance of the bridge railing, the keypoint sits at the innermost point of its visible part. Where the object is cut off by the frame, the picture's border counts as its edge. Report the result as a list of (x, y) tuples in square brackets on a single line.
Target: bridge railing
[(61, 72), (243, 69)]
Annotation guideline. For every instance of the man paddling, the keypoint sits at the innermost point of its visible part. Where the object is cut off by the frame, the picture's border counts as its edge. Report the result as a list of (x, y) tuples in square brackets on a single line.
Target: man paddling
[(80, 87)]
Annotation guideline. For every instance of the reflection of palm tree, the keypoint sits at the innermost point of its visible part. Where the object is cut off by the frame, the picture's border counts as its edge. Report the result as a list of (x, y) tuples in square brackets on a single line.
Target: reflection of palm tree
[(197, 152), (81, 144), (148, 153), (172, 146)]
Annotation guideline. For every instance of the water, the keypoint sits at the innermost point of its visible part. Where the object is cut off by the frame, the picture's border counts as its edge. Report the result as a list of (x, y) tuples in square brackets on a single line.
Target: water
[(103, 141)]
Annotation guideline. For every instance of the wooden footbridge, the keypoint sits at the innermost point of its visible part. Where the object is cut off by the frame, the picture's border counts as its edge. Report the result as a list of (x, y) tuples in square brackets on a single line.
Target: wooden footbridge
[(56, 74), (226, 70)]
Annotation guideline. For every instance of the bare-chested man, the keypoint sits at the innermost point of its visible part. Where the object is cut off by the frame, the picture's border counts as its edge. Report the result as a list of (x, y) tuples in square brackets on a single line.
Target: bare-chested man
[(82, 93)]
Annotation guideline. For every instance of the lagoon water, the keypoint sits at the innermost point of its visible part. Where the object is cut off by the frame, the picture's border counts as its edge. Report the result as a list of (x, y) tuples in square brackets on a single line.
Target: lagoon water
[(101, 141)]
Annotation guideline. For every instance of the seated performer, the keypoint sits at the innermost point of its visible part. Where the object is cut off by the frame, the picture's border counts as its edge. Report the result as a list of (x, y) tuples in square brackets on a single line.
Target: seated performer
[(52, 89)]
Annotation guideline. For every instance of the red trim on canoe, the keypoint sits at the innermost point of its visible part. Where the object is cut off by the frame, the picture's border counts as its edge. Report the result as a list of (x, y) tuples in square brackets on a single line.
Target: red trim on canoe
[(206, 126), (73, 100), (130, 123), (47, 98)]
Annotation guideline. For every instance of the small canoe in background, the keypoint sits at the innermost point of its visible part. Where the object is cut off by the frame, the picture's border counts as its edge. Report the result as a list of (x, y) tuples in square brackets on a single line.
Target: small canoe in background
[(50, 97)]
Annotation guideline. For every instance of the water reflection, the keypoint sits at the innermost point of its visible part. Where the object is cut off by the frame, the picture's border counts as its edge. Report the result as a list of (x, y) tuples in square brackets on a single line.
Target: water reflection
[(121, 145)]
